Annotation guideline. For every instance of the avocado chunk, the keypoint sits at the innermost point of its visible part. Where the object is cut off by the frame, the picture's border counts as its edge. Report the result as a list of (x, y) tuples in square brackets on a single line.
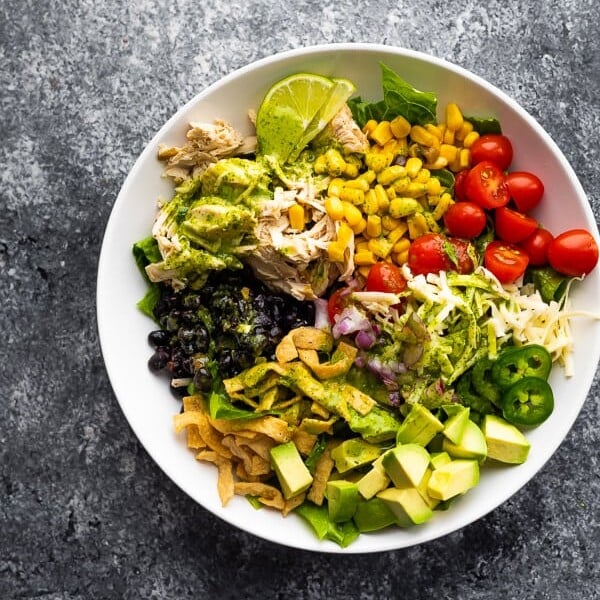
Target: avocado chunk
[(354, 453), (342, 498), (293, 475), (472, 444), (438, 459), (406, 464), (505, 442), (373, 515), (454, 427), (419, 427), (407, 504), (373, 481), (422, 489), (453, 479)]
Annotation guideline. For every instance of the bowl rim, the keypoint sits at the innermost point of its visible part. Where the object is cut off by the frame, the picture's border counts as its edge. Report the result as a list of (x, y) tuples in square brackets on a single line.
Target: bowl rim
[(150, 148)]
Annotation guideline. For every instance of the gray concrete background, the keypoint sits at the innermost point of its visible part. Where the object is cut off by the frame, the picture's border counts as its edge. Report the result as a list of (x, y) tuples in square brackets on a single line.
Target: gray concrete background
[(84, 512)]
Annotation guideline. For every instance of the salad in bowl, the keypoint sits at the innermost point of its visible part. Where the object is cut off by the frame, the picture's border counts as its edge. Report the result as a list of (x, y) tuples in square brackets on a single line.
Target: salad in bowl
[(361, 302)]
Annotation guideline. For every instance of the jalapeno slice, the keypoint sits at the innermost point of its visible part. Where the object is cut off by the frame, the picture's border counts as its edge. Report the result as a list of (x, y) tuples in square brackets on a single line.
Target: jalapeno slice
[(528, 402), (513, 364)]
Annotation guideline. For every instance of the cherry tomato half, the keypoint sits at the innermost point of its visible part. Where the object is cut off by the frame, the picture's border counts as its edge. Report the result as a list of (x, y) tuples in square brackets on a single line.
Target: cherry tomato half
[(536, 246), (485, 185), (525, 189), (512, 226), (385, 277), (506, 261), (494, 147), (573, 252), (465, 220), (434, 252)]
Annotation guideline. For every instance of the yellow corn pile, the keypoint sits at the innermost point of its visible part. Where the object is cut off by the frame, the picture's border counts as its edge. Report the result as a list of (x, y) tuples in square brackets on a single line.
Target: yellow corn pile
[(389, 198)]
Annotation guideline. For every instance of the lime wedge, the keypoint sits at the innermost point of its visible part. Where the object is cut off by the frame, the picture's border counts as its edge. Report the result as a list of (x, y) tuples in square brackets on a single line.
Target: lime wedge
[(294, 110)]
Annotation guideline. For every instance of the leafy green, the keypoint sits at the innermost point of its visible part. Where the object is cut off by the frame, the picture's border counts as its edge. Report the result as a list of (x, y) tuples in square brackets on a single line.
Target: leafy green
[(220, 407), (446, 178), (483, 125), (551, 285), (145, 252), (316, 453), (317, 517), (399, 99)]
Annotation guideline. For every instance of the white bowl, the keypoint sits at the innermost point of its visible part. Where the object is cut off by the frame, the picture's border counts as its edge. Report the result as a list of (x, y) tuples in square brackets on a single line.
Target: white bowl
[(145, 398)]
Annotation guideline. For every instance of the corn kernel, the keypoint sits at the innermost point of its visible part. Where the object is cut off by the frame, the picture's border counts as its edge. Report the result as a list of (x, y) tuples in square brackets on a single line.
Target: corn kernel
[(361, 245), (464, 131), (364, 270), (351, 213), (390, 192), (373, 226), (344, 234), (454, 118), (357, 184), (369, 126), (335, 163), (390, 223), (448, 152), (401, 245), (442, 206), (296, 217), (380, 247), (448, 136), (352, 195), (390, 174), (464, 160), (470, 139), (364, 258), (336, 252), (401, 258), (382, 133), (413, 166), (335, 186), (401, 185), (371, 204), (417, 226), (434, 187), (439, 163), (435, 130), (334, 208), (369, 176), (404, 207), (422, 176), (359, 227), (400, 127), (398, 232), (419, 134), (351, 170), (376, 162), (415, 189), (320, 165)]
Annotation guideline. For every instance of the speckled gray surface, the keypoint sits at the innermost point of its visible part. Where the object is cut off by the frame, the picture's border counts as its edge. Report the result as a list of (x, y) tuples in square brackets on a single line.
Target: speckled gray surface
[(84, 512)]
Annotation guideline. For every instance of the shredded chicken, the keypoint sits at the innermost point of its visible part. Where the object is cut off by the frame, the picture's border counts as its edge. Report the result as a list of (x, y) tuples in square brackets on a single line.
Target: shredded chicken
[(344, 129), (206, 144)]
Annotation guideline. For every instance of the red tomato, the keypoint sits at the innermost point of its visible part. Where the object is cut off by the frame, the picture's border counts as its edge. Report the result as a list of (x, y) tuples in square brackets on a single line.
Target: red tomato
[(485, 185), (459, 185), (336, 303), (525, 189), (506, 261), (573, 253), (465, 220), (433, 252), (512, 226), (385, 277), (536, 246), (493, 147)]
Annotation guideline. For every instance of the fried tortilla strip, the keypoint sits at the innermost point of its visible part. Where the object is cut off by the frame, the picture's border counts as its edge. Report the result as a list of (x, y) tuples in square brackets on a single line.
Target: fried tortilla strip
[(304, 441), (225, 481), (311, 338), (194, 438), (230, 442), (359, 401), (275, 428), (266, 494), (193, 403), (243, 475), (340, 363), (260, 445), (286, 350), (323, 470), (209, 434), (292, 503)]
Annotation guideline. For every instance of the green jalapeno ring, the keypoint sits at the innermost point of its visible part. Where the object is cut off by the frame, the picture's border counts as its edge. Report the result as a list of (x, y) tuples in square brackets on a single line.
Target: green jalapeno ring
[(528, 402), (513, 364)]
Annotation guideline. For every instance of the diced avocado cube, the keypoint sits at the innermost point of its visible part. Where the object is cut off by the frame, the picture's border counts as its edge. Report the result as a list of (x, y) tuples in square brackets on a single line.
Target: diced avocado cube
[(293, 475), (505, 442), (472, 444), (373, 515), (406, 464), (407, 504), (422, 489), (454, 427), (373, 481), (342, 498), (354, 453), (419, 426), (453, 479), (439, 459)]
